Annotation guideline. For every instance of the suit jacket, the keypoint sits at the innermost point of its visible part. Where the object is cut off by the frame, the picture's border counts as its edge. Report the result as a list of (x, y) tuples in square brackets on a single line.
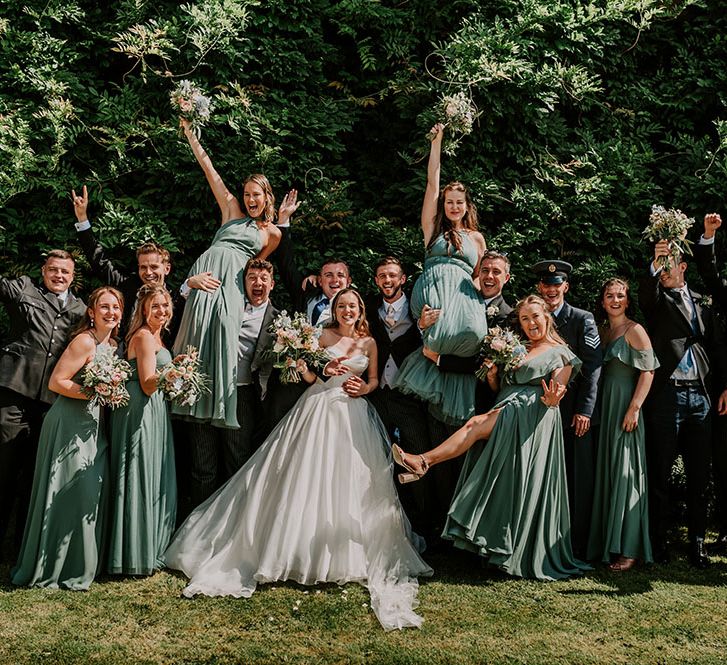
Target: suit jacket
[(128, 283), (400, 347), (669, 326), (578, 328), (484, 395), (715, 285), (262, 361), (39, 330), (291, 276)]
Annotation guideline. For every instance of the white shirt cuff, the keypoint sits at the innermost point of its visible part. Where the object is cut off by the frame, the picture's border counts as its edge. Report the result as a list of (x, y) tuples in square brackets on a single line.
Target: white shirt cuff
[(83, 226), (284, 226), (185, 289), (706, 241), (653, 272)]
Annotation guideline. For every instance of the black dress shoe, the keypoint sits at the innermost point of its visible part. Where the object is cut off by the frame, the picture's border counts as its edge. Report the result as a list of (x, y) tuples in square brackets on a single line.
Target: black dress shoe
[(698, 554)]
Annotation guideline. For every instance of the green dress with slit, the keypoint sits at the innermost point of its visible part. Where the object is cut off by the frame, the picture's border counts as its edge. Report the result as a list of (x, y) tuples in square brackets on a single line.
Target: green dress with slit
[(64, 534), (620, 518), (211, 321), (511, 500), (143, 479)]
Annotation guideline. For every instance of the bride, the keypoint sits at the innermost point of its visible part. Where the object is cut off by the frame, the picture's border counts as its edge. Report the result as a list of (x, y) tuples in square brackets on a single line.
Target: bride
[(316, 502)]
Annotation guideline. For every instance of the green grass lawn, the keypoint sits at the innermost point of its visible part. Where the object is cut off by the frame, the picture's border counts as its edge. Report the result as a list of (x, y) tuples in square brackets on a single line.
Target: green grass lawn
[(660, 614)]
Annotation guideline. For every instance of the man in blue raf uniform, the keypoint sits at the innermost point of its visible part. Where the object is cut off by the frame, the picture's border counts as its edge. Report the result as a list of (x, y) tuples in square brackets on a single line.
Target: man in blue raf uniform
[(578, 328)]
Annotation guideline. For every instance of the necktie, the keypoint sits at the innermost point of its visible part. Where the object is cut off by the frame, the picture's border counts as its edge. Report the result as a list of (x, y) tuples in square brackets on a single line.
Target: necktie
[(390, 318), (318, 310), (686, 364)]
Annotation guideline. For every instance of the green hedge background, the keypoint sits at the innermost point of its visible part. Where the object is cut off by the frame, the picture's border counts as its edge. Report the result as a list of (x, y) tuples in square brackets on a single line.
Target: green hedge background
[(590, 113)]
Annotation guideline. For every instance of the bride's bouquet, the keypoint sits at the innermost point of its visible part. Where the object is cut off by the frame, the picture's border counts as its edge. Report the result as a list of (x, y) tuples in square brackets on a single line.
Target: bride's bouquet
[(671, 225), (181, 381), (295, 339), (502, 347), (189, 102), (104, 378)]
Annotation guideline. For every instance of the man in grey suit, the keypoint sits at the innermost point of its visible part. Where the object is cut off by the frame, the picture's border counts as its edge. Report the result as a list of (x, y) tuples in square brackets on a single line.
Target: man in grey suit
[(41, 320), (217, 453), (578, 328)]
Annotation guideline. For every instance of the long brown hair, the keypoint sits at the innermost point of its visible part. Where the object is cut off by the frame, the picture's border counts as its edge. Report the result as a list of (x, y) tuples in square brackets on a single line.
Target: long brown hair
[(143, 296), (264, 183), (551, 333), (86, 323), (361, 327), (443, 226)]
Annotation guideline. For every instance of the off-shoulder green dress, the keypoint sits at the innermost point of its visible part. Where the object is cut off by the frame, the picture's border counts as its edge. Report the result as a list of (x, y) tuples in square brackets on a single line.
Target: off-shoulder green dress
[(620, 518), (511, 500)]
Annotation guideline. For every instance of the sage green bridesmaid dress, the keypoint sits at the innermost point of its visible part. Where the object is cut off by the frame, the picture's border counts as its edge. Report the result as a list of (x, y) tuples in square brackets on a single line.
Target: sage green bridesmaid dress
[(143, 479), (211, 321), (620, 518), (511, 501), (446, 283), (64, 535)]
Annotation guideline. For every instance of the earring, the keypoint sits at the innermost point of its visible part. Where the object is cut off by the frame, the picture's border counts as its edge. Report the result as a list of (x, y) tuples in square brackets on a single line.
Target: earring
[(92, 323)]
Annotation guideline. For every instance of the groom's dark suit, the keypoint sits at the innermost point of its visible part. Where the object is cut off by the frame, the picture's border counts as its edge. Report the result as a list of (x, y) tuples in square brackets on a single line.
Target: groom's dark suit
[(217, 453), (40, 325), (677, 411), (404, 416)]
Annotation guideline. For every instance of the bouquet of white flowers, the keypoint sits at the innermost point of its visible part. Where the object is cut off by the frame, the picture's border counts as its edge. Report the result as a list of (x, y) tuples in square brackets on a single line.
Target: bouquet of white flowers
[(180, 381), (458, 113), (189, 102), (104, 378), (295, 339), (671, 225), (502, 347)]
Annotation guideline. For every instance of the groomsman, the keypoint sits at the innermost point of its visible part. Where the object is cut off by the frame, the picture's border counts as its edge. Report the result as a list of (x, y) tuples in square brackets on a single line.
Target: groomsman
[(217, 453), (41, 320), (404, 416), (716, 286), (153, 266), (314, 299), (494, 274), (578, 328), (689, 345)]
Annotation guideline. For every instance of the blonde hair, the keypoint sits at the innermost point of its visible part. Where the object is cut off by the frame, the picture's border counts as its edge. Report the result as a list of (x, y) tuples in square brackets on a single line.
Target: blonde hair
[(145, 294), (86, 323), (260, 180), (361, 327), (551, 333), (443, 226)]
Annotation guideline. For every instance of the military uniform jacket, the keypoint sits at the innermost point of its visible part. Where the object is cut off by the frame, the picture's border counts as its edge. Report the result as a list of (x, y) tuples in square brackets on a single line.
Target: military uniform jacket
[(40, 326), (578, 328)]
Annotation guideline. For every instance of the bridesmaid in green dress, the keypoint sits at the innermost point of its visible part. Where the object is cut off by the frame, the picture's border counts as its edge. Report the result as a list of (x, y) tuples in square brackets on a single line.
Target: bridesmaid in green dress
[(143, 479), (511, 501), (620, 519), (64, 535), (212, 316), (446, 298)]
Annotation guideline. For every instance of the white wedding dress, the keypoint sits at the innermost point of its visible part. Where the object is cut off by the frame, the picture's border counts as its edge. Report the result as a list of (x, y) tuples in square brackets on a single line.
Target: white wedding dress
[(316, 503)]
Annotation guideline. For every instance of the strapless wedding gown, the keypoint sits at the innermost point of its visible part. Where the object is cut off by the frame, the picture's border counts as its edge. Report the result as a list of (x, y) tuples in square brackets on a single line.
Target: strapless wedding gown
[(316, 503)]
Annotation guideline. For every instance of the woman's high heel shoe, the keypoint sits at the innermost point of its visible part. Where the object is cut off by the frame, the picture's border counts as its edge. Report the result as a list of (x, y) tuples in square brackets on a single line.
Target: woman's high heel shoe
[(413, 474)]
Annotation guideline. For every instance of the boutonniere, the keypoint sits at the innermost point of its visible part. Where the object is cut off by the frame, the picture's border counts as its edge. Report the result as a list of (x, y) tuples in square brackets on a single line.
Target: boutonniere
[(493, 310), (705, 301)]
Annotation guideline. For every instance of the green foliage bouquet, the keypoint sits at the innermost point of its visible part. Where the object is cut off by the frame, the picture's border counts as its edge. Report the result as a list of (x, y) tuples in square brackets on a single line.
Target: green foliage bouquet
[(189, 102), (670, 225), (457, 113)]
